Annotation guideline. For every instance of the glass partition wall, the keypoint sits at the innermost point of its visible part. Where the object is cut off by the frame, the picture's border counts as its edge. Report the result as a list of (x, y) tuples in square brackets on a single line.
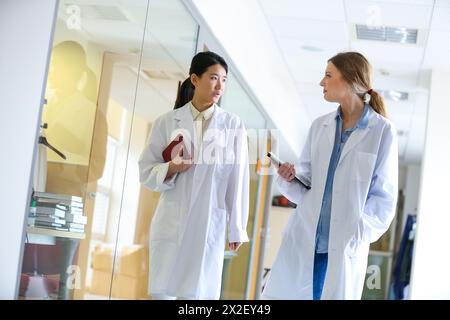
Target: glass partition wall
[(115, 67), (238, 271), (169, 45)]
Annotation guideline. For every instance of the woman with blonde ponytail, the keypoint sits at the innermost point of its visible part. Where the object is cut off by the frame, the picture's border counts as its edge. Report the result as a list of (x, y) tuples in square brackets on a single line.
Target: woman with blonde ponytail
[(351, 159)]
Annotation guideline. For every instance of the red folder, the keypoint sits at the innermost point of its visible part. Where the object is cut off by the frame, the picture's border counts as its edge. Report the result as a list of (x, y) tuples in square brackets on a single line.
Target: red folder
[(169, 153)]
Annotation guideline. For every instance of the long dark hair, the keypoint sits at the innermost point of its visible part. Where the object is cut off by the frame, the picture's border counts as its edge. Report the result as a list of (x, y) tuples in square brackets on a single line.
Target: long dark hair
[(200, 63), (357, 71)]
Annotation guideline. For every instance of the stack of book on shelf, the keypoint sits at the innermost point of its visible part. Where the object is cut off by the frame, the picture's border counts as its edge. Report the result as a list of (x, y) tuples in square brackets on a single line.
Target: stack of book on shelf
[(57, 212)]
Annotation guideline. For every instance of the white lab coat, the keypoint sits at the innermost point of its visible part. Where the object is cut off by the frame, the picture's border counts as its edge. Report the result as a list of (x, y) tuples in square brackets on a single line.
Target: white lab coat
[(188, 230), (363, 206)]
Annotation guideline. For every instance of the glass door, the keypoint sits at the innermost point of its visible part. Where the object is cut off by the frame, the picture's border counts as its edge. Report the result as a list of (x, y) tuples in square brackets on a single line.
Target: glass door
[(82, 153)]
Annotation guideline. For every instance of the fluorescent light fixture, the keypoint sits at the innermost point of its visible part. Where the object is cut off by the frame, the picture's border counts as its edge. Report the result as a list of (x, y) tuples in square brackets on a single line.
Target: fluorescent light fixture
[(311, 48), (99, 12), (394, 95)]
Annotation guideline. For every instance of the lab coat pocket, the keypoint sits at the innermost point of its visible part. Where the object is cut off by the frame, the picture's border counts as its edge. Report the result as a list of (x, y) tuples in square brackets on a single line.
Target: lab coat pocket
[(166, 222), (364, 165), (217, 227)]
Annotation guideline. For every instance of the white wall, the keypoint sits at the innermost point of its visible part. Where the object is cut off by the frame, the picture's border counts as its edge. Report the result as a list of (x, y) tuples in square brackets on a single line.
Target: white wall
[(411, 191), (25, 36), (431, 260), (278, 220), (262, 67)]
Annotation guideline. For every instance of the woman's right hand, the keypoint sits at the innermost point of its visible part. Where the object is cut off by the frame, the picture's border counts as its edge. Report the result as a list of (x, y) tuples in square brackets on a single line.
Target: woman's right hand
[(287, 171), (178, 164)]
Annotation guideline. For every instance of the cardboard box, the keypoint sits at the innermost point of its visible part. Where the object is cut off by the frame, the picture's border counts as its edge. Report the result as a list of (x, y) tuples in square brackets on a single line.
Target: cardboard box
[(132, 261), (129, 280), (102, 258), (100, 283), (125, 287)]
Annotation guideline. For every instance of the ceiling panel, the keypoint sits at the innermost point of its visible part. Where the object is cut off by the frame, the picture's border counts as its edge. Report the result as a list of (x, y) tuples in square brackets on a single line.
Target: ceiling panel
[(325, 10), (399, 59), (392, 82), (442, 3), (304, 69), (328, 32), (441, 17), (390, 13)]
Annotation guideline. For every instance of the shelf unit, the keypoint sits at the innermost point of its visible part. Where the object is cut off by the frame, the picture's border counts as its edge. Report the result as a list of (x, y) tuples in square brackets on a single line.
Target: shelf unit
[(55, 233)]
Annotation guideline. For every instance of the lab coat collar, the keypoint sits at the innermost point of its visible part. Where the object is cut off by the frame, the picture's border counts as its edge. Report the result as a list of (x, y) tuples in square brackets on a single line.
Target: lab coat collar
[(185, 119), (206, 114), (185, 113), (368, 120), (330, 128)]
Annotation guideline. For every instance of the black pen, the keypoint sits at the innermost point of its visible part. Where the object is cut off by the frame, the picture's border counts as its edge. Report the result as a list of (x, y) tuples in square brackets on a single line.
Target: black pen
[(279, 163)]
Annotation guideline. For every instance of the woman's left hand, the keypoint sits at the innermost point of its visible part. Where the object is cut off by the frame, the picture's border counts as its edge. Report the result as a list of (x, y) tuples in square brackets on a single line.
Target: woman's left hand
[(234, 245)]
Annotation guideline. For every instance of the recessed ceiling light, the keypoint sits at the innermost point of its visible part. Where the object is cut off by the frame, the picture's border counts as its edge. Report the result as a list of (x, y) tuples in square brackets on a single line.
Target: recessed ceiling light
[(311, 48)]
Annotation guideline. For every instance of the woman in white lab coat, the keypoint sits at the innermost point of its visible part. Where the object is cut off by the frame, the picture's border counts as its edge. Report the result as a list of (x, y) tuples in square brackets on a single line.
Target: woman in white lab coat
[(204, 188), (351, 159)]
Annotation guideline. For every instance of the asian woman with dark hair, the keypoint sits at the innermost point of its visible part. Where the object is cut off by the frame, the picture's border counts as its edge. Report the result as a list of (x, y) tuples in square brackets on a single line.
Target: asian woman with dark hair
[(204, 186)]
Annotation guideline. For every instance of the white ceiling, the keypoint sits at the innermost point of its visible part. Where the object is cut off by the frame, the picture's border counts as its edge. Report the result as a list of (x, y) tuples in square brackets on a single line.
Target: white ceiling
[(326, 27)]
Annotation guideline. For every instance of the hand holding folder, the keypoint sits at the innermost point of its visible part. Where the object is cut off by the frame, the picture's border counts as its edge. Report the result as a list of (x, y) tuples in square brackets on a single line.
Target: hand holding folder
[(174, 153), (171, 151)]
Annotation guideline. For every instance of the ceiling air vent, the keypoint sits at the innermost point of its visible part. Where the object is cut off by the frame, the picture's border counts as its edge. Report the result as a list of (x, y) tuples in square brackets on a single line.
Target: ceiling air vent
[(389, 34)]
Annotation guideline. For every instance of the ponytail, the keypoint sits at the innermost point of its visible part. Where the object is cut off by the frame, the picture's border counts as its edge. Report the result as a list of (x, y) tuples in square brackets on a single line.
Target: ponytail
[(377, 103), (185, 93)]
